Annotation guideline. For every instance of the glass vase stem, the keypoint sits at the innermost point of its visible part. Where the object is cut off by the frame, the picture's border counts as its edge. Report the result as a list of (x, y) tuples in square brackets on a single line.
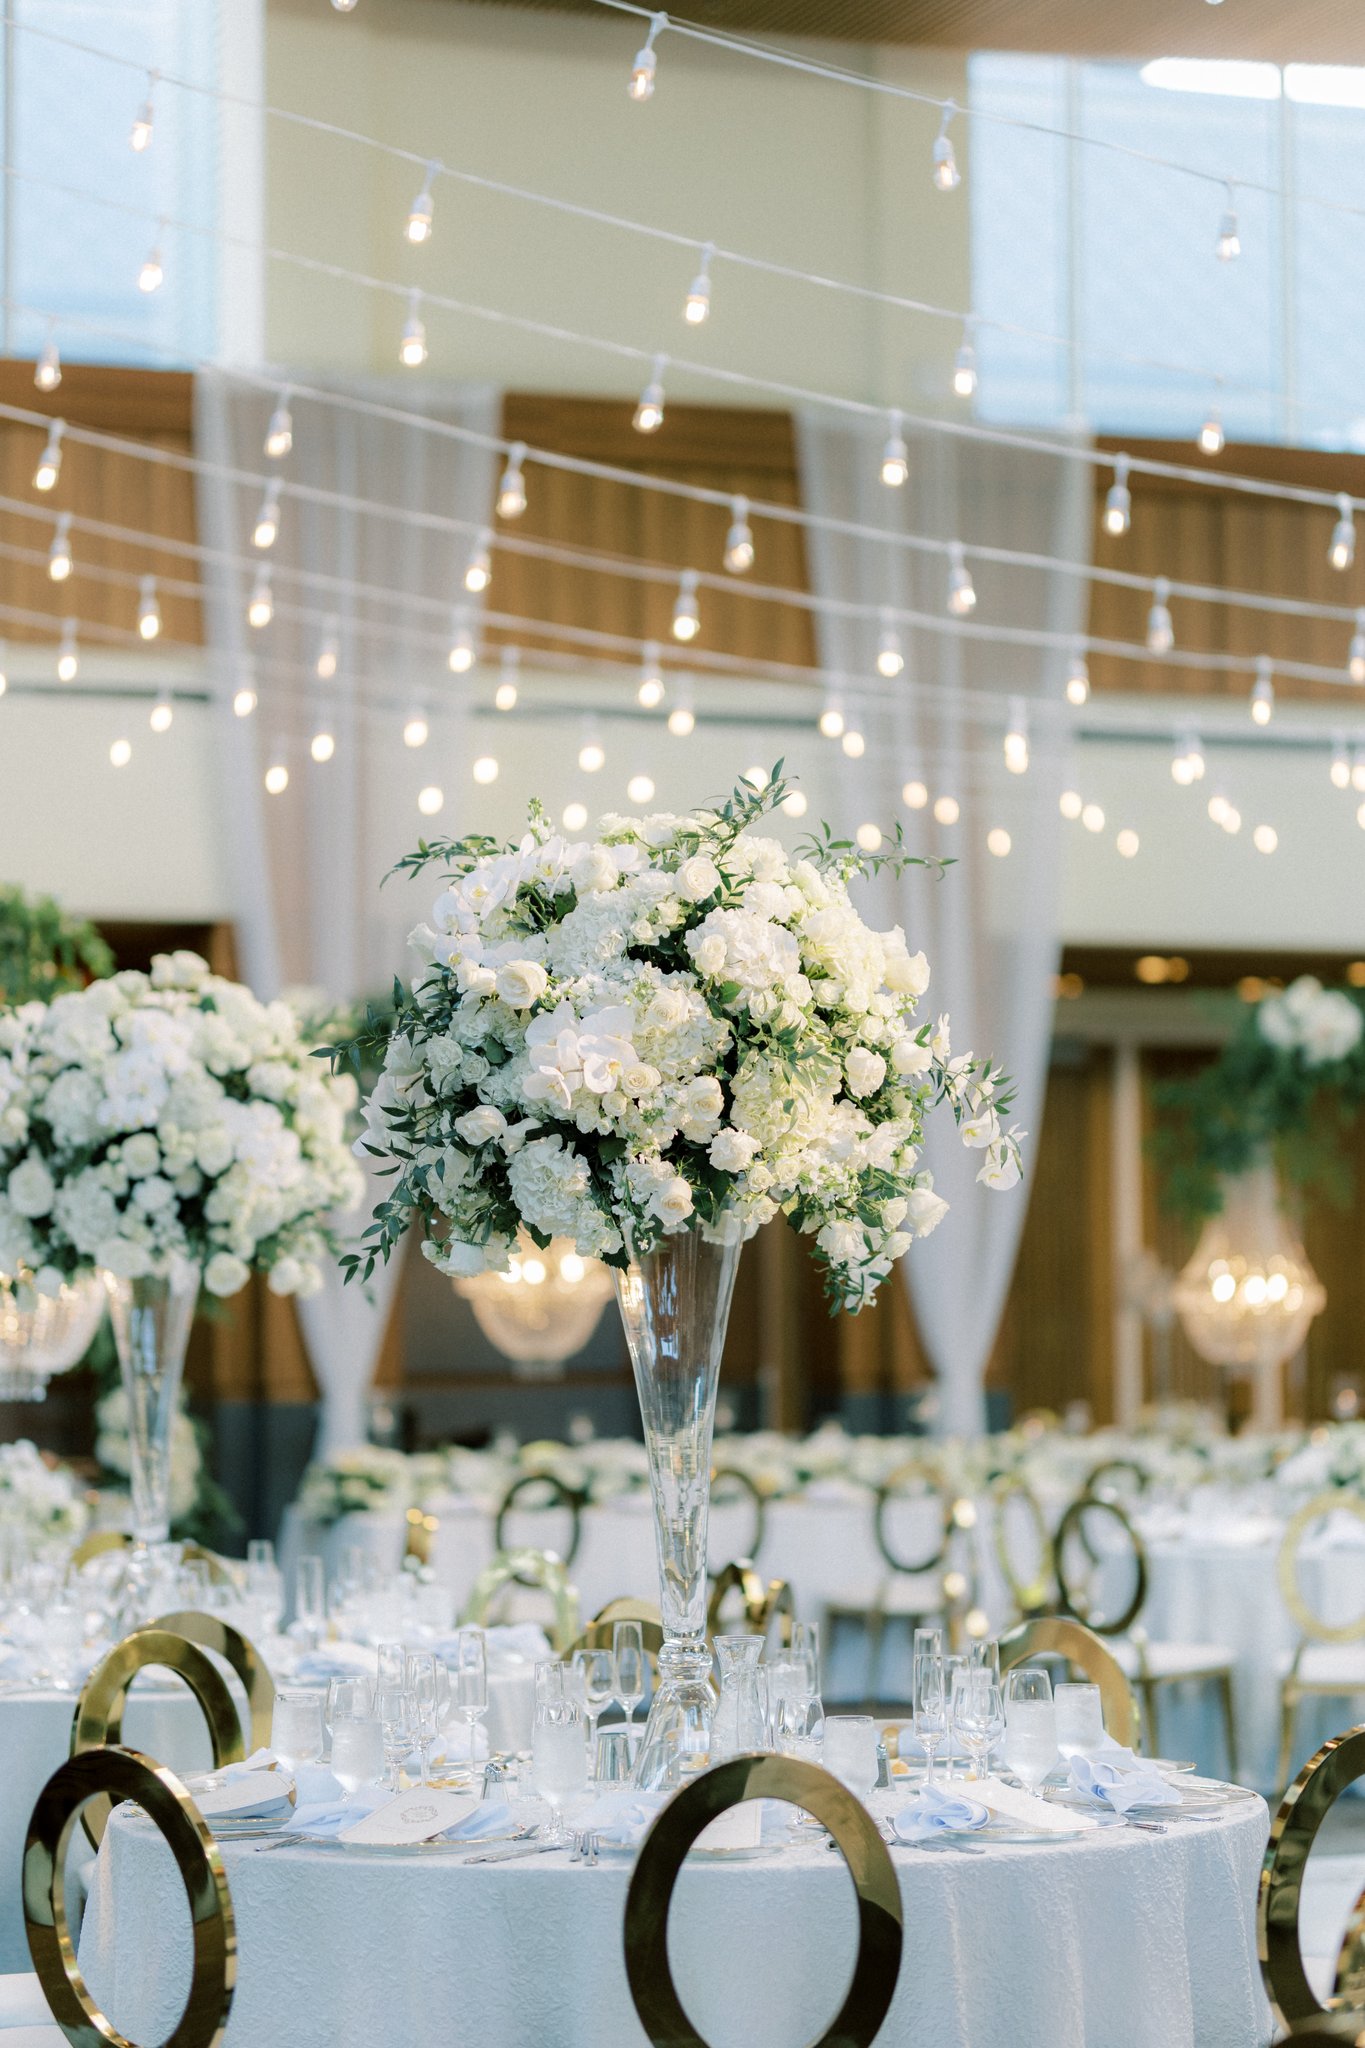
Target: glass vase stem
[(151, 1317)]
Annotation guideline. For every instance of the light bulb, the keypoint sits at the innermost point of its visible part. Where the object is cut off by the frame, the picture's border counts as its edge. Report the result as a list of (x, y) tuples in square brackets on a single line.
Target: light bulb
[(430, 800), (574, 817), (756, 777), (412, 347), (68, 657), (418, 228), (947, 810), (120, 754), (1078, 680), (279, 434), (1016, 739), (148, 609), (794, 803), (1229, 243), (831, 720), (162, 714), (681, 721), (141, 136), (1212, 439), (998, 841), (416, 731), (4, 679), (1069, 804), (1358, 769), (1092, 817), (511, 500), (1232, 822), (485, 769), (641, 86), (890, 659), (276, 778), (1118, 503), (853, 743), (964, 367), (505, 696), (1342, 551), (244, 702), (1218, 808), (914, 795), (479, 568), (686, 617), (869, 837), (698, 301), (267, 527), (151, 275), (739, 541), (50, 461), (651, 687), (649, 411), (1127, 843), (1180, 770), (47, 371), (1340, 770), (322, 746), (640, 789), (895, 456), (1263, 692), (329, 656), (592, 755), (1265, 839), (1356, 658), (261, 609), (961, 590), (59, 554), (946, 174), (1160, 631), (461, 656)]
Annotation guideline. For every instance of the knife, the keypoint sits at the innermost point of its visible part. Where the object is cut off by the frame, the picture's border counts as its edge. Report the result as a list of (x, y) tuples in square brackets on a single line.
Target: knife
[(519, 1849)]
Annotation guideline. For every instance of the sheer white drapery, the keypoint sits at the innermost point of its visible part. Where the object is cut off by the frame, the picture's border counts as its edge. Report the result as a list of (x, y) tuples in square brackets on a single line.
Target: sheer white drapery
[(990, 923), (307, 864)]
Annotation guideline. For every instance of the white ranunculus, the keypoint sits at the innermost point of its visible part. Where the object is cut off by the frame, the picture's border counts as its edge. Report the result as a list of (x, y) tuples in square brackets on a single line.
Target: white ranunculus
[(708, 952), (225, 1275), (31, 1189), (865, 1070), (697, 878), (521, 983), (480, 1125)]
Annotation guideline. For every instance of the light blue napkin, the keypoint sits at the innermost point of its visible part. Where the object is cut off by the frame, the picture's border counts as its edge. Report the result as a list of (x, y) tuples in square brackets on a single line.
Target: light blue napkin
[(1117, 1779), (932, 1809), (329, 1815), (622, 1817)]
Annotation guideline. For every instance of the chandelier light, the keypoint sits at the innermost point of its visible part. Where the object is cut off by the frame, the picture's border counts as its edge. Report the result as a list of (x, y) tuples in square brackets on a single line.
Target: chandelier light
[(543, 1309)]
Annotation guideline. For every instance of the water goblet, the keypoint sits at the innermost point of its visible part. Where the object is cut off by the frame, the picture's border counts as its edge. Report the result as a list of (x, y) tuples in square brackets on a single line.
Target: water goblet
[(357, 1751), (348, 1699), (850, 1752), (628, 1649), (930, 1704), (296, 1727), (1080, 1719), (1030, 1726), (559, 1761)]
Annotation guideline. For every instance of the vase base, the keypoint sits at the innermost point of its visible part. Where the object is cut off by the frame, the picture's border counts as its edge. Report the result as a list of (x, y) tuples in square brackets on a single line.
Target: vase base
[(677, 1737)]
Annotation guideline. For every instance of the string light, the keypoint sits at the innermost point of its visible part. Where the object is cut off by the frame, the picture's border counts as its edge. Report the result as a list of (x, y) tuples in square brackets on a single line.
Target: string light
[(1118, 503), (511, 500), (914, 795), (261, 608), (947, 810), (1160, 631), (853, 743), (1229, 243), (1212, 439), (1265, 839), (279, 433), (574, 817), (244, 701), (686, 617), (1078, 679), (1218, 808), (1263, 692), (1342, 550), (831, 718), (141, 137), (505, 696), (47, 371), (59, 554), (869, 837), (412, 346), (162, 714), (1355, 661), (50, 461), (1232, 821), (322, 746), (890, 656), (650, 690), (148, 609), (328, 655), (1016, 738), (895, 455), (1127, 843), (1092, 817), (682, 719), (277, 771), (479, 568), (4, 664), (794, 803), (947, 176), (416, 730), (649, 411), (460, 659), (998, 841), (431, 800), (961, 590), (641, 86), (1340, 770), (592, 756), (1070, 805), (267, 527), (1187, 765), (698, 302), (68, 654), (485, 769), (1358, 770), (640, 789), (152, 275), (739, 541), (964, 364), (418, 227), (120, 753)]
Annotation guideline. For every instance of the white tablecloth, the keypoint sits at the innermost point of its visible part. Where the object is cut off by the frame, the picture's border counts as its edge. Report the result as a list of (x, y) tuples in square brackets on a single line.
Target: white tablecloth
[(1124, 1940), (35, 1737)]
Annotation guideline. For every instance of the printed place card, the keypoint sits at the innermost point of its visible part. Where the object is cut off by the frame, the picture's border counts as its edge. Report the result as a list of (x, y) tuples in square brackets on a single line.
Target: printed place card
[(254, 1792), (412, 1817), (740, 1828)]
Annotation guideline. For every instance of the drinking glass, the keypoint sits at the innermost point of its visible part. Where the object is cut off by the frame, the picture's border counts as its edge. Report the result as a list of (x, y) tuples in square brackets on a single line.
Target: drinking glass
[(977, 1714), (468, 1668), (264, 1594), (310, 1607), (805, 1646), (348, 1699), (952, 1749), (260, 1550), (850, 1752), (984, 1655), (628, 1649), (391, 1663), (1030, 1726), (194, 1584), (559, 1761), (424, 1694), (549, 1682), (357, 1751), (596, 1671), (296, 1727), (394, 1707), (930, 1702), (1080, 1719)]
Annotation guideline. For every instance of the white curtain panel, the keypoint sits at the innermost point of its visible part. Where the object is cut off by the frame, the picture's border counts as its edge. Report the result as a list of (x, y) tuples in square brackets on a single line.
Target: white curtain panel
[(989, 923), (307, 865)]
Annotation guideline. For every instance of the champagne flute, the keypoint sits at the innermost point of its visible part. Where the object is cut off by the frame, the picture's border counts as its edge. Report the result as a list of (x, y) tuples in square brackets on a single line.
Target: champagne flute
[(424, 1692), (310, 1607), (1030, 1726), (977, 1714), (468, 1669), (930, 1705), (597, 1673), (628, 1649)]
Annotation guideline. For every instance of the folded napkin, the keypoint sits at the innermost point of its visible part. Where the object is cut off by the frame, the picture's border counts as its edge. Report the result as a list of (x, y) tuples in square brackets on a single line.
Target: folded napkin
[(452, 1746), (1026, 1811), (622, 1817), (330, 1815), (251, 1795), (1118, 1779), (932, 1809)]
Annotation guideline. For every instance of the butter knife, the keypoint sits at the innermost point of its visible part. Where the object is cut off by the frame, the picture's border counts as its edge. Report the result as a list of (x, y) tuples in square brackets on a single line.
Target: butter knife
[(518, 1849)]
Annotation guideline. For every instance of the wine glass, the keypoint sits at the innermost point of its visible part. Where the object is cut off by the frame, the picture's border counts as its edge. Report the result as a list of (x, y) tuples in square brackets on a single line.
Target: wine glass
[(977, 1714), (424, 1693), (628, 1649), (596, 1671), (394, 1707), (468, 1668), (559, 1761), (1080, 1719), (930, 1702), (357, 1751), (1030, 1726), (296, 1727), (348, 1699), (850, 1752)]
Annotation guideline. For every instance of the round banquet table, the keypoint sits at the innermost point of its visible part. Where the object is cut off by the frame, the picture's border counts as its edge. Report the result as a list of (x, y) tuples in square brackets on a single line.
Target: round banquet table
[(1119, 1940), (162, 1720)]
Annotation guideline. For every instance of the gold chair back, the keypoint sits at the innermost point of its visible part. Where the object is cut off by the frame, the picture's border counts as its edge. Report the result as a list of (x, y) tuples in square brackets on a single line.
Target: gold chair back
[(625, 1607), (539, 1569), (241, 1656), (1098, 1479), (1053, 1635), (419, 1534), (731, 1475), (1305, 1620), (713, 1792), (560, 1496), (1311, 1797), (222, 1572), (98, 1544), (765, 1600), (896, 1485), (1030, 1595), (118, 1774), (98, 1720), (599, 1635), (1071, 1598)]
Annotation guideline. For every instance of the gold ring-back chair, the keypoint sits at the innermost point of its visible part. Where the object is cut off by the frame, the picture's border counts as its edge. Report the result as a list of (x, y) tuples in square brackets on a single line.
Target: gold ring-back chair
[(1329, 1662), (1293, 1831), (1061, 1638), (1032, 1591), (539, 1569), (767, 1602)]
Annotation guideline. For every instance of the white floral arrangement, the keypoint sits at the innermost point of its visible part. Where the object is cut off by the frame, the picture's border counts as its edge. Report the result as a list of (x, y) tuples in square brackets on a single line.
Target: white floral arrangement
[(367, 1480), (1320, 1024), (43, 1499), (673, 1025), (150, 1116), (111, 1448)]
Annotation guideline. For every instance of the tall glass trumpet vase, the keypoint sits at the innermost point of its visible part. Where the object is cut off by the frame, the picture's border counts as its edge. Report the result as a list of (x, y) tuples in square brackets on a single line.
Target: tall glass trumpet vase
[(675, 1303), (151, 1317)]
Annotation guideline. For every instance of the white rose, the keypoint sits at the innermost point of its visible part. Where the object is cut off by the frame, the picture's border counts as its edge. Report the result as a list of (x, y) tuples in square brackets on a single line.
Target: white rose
[(141, 1154), (866, 1071), (673, 1201), (594, 871), (213, 1151), (697, 878), (907, 974), (522, 983), (926, 1211), (640, 1079), (703, 1100), (224, 1275), (842, 1242), (284, 1276), (477, 1126), (730, 1151), (667, 1010), (31, 1188), (457, 1257), (709, 953), (909, 1057)]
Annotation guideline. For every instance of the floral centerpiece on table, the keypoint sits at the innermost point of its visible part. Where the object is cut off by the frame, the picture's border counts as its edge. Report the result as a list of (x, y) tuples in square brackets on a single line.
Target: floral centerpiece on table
[(41, 1497), (366, 1480)]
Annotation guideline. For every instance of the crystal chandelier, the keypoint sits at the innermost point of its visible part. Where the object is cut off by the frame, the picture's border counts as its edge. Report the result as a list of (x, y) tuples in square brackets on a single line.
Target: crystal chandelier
[(49, 1334), (543, 1308)]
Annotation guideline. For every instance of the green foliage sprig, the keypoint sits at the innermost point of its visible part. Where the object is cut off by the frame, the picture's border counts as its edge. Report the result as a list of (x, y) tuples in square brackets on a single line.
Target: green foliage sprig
[(44, 950)]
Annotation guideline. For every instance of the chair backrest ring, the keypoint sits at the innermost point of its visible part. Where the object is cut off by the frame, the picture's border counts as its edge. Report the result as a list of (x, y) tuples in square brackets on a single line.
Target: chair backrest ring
[(1287, 1568), (561, 1496), (1030, 1596), (1054, 1635), (893, 1488), (1311, 1797), (765, 1600), (1073, 1522), (732, 1475), (98, 1720), (241, 1656)]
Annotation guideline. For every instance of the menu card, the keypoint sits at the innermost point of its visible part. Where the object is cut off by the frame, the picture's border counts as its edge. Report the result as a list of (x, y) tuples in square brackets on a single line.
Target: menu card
[(414, 1816)]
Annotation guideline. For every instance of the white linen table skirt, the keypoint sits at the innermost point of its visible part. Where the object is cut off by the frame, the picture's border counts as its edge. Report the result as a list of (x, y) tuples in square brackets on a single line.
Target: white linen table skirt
[(1124, 1940)]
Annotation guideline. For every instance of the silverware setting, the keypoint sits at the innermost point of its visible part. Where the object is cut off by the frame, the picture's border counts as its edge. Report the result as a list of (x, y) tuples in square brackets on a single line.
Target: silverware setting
[(584, 1849)]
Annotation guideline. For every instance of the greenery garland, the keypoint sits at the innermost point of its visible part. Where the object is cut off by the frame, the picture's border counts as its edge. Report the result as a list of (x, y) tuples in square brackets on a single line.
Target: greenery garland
[(44, 950)]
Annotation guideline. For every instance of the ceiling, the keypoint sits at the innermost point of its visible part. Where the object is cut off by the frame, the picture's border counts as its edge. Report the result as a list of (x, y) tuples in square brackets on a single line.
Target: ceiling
[(1282, 31)]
